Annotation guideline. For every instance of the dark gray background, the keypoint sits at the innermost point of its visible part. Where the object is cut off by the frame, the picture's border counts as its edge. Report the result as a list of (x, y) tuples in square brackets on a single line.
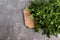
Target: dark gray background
[(12, 25)]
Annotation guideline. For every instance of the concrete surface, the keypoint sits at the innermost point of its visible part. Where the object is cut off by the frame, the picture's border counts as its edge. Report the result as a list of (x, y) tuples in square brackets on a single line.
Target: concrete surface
[(12, 24)]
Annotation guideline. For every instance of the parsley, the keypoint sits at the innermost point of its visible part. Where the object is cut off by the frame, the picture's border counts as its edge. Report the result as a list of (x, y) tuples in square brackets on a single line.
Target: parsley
[(46, 16)]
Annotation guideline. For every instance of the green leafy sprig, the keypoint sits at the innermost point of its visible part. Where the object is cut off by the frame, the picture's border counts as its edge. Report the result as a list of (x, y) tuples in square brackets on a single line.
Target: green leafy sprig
[(46, 16)]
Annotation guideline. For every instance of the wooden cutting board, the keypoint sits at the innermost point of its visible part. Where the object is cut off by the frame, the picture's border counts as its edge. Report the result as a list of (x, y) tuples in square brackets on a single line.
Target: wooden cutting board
[(29, 22)]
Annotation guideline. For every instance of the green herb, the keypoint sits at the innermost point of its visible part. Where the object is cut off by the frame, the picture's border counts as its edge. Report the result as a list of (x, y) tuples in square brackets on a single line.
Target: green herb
[(46, 15)]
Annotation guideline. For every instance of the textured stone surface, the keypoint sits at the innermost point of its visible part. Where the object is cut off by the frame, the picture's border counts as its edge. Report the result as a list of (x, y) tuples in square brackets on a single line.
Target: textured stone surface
[(12, 24)]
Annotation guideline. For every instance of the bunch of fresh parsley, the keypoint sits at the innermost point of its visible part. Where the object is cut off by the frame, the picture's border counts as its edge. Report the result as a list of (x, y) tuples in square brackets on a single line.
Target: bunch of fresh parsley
[(46, 16)]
